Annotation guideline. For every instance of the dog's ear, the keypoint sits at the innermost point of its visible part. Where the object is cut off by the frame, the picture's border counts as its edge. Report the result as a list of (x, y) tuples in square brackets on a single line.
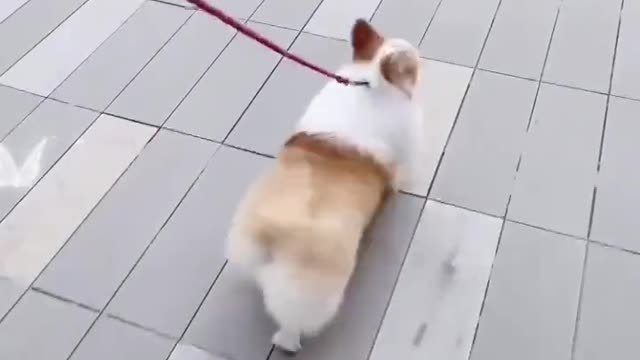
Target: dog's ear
[(365, 41), (401, 69)]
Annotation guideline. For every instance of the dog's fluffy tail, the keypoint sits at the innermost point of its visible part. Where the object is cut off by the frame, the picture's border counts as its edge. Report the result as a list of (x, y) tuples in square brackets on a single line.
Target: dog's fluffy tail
[(300, 301)]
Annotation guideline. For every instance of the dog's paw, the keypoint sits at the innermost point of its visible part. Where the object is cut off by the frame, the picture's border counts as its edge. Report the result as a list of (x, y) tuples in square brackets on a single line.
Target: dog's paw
[(287, 342)]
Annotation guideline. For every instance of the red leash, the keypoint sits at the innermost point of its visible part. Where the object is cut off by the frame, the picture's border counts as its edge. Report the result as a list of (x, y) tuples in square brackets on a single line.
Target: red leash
[(204, 6)]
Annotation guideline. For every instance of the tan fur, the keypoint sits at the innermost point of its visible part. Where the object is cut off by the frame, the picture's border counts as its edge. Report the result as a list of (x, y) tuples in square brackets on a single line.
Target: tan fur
[(312, 208)]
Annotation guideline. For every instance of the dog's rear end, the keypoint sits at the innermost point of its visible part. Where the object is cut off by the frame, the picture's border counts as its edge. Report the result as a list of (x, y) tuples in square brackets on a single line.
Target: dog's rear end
[(299, 228)]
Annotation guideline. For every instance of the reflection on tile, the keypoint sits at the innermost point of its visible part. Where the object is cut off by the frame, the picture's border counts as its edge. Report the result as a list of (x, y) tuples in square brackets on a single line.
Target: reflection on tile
[(220, 97), (273, 113), (479, 166), (334, 18), (7, 7), (35, 145), (458, 31), (107, 245), (181, 62), (111, 339), (615, 217), (554, 184), (188, 253), (531, 305), (609, 314), (406, 19), (41, 327), (34, 21), (49, 63), (40, 224), (444, 86), (353, 333), (15, 105), (506, 50), (626, 76), (189, 352), (580, 55), (116, 62), (437, 300), (287, 13)]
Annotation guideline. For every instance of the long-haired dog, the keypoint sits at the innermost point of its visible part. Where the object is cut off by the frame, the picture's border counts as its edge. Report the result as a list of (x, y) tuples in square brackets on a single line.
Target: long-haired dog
[(299, 226)]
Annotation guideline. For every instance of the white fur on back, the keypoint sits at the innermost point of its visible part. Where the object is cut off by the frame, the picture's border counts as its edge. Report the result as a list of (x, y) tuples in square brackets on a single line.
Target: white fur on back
[(374, 119)]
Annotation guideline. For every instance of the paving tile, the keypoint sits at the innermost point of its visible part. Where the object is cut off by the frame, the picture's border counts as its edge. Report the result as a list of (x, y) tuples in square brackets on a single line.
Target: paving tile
[(554, 185), (33, 21), (609, 313), (458, 31), (107, 245), (406, 19), (531, 306), (108, 70), (626, 74), (15, 105), (149, 97), (437, 300), (479, 164), (334, 18), (284, 98), (43, 221), (190, 352), (580, 55), (221, 96), (520, 37), (54, 59), (443, 89), (193, 243), (290, 14), (618, 197), (41, 327), (34, 147), (111, 339), (354, 332)]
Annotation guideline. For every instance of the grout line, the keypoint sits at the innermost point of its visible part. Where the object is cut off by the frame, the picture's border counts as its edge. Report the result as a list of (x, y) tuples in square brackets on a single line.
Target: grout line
[(487, 286), (595, 190), (14, 11), (465, 208), (576, 324), (144, 252), (535, 100), (375, 11), (139, 326), (64, 299), (606, 115), (592, 211), (433, 16), (169, 3)]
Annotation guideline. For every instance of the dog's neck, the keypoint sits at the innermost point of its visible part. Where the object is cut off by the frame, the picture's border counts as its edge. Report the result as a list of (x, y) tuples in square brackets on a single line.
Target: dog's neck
[(372, 119)]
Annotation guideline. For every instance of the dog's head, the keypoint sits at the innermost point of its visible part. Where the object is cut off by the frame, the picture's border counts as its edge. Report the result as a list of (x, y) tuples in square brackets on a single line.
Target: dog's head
[(397, 61)]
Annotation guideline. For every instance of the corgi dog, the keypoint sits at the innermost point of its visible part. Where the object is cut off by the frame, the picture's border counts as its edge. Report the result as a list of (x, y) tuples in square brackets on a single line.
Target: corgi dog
[(298, 228)]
